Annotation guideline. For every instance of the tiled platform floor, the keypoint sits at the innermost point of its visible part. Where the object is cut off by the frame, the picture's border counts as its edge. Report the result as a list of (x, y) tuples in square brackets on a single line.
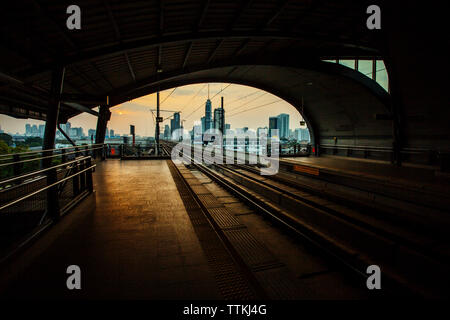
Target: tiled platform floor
[(131, 239)]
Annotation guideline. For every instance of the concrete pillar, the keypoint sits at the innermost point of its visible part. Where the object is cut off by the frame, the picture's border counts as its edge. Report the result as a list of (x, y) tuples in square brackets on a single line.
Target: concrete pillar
[(416, 59)]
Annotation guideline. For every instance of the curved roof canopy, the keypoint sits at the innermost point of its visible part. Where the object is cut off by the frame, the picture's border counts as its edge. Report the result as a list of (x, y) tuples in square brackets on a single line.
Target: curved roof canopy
[(126, 49)]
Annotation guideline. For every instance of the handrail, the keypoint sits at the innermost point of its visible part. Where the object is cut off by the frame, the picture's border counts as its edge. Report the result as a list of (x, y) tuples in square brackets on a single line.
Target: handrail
[(42, 170), (45, 188), (47, 150), (46, 157)]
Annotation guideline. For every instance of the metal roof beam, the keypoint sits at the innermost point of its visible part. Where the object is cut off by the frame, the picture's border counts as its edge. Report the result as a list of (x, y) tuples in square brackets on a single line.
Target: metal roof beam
[(213, 53), (183, 37), (188, 52), (203, 14), (276, 13)]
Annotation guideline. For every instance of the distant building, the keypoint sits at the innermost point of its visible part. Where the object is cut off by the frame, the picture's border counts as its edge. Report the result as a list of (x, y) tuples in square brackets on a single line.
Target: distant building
[(67, 128), (28, 129), (167, 132), (258, 131), (111, 133), (219, 119), (280, 122), (91, 133), (273, 124), (302, 135), (34, 131), (283, 125), (41, 130), (203, 123), (208, 115)]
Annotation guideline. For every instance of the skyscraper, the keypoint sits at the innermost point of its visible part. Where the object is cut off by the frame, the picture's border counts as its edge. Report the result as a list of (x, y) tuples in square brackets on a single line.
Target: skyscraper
[(176, 117), (41, 130), (68, 129), (273, 124), (219, 118), (208, 115), (203, 121), (283, 125), (34, 131), (166, 131), (28, 129)]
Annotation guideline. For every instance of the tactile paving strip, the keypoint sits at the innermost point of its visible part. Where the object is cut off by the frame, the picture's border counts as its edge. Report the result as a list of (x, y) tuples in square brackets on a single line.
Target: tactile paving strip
[(225, 219), (255, 254), (232, 283), (200, 189), (209, 201)]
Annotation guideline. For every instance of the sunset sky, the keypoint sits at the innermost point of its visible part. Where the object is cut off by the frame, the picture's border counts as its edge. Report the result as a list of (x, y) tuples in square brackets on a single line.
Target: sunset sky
[(244, 107)]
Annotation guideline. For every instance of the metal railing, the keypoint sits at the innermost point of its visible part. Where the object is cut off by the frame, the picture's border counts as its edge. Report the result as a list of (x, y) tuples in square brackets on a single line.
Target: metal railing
[(440, 158), (18, 163), (137, 151), (35, 198)]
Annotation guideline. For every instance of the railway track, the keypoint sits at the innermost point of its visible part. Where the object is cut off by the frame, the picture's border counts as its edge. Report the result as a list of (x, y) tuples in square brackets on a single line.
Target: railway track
[(349, 235)]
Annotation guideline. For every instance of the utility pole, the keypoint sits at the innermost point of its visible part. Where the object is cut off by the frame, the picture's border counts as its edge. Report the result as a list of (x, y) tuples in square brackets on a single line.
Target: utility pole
[(158, 120)]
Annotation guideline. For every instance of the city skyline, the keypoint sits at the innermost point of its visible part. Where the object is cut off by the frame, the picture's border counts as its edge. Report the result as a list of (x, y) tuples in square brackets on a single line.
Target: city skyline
[(244, 107)]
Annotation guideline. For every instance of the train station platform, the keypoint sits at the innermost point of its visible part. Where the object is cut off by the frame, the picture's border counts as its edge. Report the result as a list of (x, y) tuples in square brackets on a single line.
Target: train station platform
[(132, 239), (409, 176)]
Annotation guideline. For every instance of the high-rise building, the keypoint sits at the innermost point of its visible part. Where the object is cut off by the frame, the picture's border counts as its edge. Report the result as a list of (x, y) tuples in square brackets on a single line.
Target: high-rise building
[(273, 124), (107, 133), (28, 129), (41, 130), (175, 123), (283, 123), (302, 134), (111, 133), (176, 117), (208, 115), (203, 123), (196, 132), (34, 131), (166, 132), (68, 129), (219, 117)]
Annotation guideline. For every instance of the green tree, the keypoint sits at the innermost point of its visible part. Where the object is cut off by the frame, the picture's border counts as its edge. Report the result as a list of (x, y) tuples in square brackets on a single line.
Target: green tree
[(6, 138), (4, 148)]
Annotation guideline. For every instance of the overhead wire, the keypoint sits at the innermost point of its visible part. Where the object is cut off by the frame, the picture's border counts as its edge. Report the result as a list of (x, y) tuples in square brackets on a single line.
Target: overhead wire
[(168, 96), (247, 102), (253, 108), (192, 99), (196, 109)]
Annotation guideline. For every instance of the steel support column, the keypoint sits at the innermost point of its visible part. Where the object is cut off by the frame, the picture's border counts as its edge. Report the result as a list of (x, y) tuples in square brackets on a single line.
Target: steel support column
[(49, 139), (102, 121), (157, 124)]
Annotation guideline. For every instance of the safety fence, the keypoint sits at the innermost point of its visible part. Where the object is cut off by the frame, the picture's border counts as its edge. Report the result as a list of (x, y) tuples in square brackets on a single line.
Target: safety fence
[(39, 187)]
